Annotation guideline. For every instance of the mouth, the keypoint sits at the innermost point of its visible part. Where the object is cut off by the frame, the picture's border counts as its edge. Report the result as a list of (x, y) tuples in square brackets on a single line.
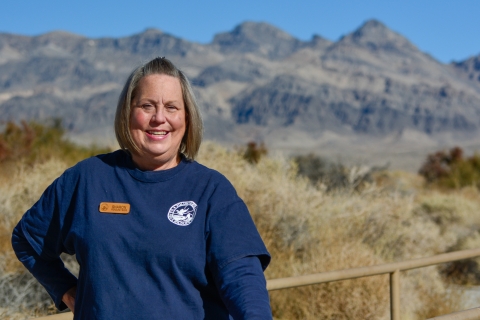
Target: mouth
[(157, 133)]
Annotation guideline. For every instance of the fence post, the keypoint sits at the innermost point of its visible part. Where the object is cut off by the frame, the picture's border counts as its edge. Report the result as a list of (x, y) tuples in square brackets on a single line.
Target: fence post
[(395, 295)]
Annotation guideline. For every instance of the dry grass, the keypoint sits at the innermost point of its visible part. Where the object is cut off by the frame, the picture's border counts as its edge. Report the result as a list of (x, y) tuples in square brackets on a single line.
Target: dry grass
[(20, 188), (306, 230)]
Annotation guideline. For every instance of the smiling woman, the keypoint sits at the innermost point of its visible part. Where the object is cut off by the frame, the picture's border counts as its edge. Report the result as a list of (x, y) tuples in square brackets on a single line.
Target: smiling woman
[(158, 85), (156, 234), (157, 122)]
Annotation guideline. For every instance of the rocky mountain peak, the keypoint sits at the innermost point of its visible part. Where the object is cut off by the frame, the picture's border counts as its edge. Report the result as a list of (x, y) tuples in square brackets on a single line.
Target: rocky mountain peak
[(56, 34), (375, 35), (470, 68), (318, 41), (371, 26), (254, 31), (257, 37), (155, 42), (150, 32), (59, 44)]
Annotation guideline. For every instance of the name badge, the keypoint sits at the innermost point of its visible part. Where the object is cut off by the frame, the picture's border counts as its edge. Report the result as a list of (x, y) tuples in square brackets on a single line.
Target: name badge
[(114, 207)]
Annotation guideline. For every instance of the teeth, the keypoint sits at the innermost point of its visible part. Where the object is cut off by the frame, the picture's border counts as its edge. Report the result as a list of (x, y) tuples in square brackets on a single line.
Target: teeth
[(157, 133)]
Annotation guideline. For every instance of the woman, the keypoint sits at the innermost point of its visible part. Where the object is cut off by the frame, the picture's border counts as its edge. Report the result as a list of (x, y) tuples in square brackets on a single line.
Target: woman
[(156, 235)]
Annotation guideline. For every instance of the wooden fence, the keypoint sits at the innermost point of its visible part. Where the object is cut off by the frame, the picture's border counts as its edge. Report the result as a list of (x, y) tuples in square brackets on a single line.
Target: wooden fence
[(391, 268)]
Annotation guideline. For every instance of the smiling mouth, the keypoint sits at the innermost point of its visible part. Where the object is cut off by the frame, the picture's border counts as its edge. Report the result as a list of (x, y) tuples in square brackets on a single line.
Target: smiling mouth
[(157, 133)]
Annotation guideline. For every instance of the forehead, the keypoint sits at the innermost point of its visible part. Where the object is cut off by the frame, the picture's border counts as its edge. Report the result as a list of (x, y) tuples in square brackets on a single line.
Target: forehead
[(159, 84)]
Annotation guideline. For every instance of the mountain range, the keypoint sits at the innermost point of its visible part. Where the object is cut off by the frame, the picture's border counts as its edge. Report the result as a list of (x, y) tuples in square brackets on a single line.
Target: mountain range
[(371, 96)]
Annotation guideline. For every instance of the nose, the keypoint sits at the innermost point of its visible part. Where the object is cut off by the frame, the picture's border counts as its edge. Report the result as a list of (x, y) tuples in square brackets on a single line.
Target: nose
[(159, 115)]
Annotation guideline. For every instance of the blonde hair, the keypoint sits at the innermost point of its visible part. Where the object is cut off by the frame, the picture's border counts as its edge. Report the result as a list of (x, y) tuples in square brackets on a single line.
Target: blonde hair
[(193, 134)]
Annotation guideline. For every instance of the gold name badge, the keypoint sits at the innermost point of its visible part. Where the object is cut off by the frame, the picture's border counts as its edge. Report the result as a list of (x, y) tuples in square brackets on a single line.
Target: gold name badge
[(114, 207)]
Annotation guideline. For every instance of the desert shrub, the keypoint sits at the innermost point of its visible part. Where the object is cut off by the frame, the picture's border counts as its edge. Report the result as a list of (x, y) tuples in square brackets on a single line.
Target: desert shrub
[(19, 291), (313, 167), (450, 169), (308, 230), (32, 155), (287, 209), (462, 272), (456, 215), (438, 164), (34, 142), (253, 151), (334, 176)]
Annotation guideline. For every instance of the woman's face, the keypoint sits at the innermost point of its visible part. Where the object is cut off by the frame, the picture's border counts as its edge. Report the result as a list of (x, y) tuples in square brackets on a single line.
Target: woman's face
[(157, 122)]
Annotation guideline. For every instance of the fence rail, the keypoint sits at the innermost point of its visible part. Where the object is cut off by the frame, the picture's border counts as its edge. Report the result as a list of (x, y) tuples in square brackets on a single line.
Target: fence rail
[(470, 314), (391, 268)]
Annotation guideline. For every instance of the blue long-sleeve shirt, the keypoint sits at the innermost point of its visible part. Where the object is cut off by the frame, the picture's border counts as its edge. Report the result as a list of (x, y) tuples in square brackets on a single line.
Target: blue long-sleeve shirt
[(172, 244)]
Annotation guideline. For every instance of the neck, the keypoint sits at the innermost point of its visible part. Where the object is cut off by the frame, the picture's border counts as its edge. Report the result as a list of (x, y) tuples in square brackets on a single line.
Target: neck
[(154, 164)]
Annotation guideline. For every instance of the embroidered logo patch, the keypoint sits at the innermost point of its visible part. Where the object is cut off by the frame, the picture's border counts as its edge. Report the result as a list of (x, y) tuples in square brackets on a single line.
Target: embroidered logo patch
[(114, 207), (182, 213)]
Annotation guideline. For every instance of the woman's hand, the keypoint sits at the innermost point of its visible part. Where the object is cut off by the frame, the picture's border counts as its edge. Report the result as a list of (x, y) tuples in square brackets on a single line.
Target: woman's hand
[(69, 298)]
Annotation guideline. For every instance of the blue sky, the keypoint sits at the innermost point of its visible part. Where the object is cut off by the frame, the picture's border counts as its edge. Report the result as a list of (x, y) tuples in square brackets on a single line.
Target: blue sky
[(446, 29)]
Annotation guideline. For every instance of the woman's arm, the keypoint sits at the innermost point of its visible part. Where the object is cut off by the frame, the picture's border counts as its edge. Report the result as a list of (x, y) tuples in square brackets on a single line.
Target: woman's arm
[(52, 274), (236, 255), (242, 286)]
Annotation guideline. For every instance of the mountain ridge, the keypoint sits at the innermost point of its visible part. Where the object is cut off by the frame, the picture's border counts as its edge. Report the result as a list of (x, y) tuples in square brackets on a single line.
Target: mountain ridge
[(254, 82)]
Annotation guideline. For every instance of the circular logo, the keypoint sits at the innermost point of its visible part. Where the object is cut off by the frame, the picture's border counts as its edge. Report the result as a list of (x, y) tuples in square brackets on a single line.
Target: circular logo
[(182, 213)]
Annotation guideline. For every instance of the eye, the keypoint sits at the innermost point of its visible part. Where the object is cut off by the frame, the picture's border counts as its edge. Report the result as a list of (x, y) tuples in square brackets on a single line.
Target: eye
[(146, 106), (171, 107)]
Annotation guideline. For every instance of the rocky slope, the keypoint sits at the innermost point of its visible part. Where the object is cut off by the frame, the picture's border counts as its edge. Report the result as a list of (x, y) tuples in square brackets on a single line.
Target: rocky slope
[(370, 90)]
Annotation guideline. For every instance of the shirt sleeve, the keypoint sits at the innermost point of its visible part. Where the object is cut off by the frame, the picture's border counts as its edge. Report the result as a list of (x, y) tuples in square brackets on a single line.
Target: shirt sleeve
[(231, 235), (46, 224), (242, 287), (52, 274), (39, 239), (236, 255)]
